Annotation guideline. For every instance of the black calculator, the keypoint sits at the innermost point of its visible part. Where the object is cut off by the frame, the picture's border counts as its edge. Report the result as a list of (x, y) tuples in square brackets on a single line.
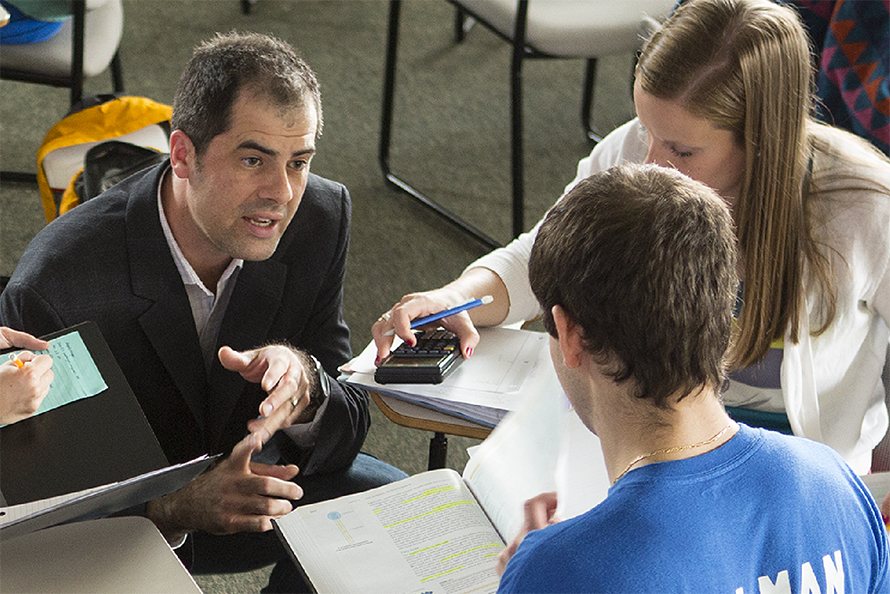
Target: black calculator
[(435, 355)]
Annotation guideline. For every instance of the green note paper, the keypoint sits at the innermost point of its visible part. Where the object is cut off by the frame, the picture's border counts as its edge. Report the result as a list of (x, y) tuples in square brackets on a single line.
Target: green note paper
[(75, 373)]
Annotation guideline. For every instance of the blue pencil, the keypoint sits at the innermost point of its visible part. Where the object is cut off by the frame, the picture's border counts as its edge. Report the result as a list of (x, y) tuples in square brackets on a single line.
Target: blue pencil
[(450, 312)]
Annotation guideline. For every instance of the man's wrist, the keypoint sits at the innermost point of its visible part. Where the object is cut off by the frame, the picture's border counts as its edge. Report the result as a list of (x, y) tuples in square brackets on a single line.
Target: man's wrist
[(159, 511), (318, 388)]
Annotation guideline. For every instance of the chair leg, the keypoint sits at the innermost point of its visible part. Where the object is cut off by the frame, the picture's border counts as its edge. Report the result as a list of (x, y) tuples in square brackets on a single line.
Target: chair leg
[(117, 73), (462, 24), (19, 177), (587, 102), (516, 117), (386, 120), (438, 451), (77, 40), (389, 82)]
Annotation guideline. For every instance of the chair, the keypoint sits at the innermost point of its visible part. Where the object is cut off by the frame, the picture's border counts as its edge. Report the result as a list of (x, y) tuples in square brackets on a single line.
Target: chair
[(86, 45), (585, 29)]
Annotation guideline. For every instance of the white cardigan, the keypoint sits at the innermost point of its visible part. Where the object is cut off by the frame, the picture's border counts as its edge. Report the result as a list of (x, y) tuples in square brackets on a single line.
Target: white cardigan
[(831, 384)]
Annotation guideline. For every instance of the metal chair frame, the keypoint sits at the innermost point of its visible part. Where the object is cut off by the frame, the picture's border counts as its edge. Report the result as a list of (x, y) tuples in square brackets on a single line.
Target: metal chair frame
[(521, 52), (73, 81)]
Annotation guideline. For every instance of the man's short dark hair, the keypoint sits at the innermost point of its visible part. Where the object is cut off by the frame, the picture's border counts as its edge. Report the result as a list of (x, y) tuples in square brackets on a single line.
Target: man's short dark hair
[(644, 260), (230, 63)]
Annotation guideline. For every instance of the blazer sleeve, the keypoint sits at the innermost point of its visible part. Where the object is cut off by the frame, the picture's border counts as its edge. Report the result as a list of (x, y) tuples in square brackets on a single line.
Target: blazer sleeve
[(332, 441)]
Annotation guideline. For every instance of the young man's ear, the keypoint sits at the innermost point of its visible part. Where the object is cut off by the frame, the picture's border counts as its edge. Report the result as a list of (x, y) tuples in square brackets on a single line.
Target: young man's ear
[(571, 337), (182, 154)]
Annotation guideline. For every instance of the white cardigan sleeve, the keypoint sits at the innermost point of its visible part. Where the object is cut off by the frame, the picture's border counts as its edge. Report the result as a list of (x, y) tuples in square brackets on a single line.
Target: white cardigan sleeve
[(831, 383), (510, 263)]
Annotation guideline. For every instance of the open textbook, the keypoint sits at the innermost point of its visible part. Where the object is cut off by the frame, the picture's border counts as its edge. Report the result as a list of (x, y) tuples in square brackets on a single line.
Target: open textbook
[(441, 532), (878, 484), (507, 366)]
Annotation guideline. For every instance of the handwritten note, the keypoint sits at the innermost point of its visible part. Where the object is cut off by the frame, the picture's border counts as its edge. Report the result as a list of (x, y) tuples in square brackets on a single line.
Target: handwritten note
[(75, 375)]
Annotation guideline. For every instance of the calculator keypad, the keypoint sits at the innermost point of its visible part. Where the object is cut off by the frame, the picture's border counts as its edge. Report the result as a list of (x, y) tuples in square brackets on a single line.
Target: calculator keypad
[(431, 343)]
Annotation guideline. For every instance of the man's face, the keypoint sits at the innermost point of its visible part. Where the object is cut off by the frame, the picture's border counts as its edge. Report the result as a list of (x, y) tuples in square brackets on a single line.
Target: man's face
[(246, 187)]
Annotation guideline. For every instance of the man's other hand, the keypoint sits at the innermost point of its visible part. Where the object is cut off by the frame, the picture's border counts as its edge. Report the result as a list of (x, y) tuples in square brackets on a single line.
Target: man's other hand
[(237, 495)]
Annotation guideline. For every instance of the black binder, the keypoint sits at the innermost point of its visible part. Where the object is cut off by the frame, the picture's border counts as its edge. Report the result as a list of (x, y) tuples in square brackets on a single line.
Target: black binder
[(87, 443)]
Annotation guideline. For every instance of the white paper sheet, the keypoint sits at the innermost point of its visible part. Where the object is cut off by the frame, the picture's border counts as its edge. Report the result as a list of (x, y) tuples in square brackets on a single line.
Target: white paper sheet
[(507, 365)]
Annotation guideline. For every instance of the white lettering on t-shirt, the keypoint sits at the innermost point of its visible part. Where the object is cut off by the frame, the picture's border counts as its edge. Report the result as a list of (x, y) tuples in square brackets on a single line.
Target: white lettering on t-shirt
[(834, 574), (809, 584), (782, 585)]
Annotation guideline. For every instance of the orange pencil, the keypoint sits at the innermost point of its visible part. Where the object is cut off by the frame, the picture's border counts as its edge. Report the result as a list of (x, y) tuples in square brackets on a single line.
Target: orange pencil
[(14, 357)]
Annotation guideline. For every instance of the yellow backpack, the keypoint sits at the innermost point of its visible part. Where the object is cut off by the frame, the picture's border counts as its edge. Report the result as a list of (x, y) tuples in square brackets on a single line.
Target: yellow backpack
[(140, 128)]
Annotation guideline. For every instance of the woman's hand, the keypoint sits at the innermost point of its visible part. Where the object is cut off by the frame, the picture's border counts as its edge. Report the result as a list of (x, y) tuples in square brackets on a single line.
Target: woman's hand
[(472, 284)]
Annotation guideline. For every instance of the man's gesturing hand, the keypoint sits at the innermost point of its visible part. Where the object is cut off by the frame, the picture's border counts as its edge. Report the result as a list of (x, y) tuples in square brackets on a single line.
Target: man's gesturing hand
[(236, 496), (285, 374)]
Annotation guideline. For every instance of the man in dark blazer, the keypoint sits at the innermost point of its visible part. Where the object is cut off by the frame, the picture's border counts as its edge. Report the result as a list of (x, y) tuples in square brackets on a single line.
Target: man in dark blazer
[(217, 280)]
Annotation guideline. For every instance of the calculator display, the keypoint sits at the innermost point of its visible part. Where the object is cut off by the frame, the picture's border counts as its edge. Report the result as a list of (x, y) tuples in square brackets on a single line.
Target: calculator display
[(404, 361)]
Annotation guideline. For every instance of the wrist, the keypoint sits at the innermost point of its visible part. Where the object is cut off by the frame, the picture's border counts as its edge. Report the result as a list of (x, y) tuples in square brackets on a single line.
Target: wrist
[(318, 387), (476, 282), (161, 512)]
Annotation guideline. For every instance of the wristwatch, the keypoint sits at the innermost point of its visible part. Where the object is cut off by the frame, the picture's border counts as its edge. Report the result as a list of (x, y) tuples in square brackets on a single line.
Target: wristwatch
[(321, 389)]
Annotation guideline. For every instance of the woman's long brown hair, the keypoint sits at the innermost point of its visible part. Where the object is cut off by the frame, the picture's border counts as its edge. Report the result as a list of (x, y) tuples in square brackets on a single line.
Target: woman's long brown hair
[(744, 65)]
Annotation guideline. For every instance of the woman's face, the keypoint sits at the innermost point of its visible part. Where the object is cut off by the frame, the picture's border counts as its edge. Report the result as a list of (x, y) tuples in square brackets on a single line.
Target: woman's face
[(691, 145)]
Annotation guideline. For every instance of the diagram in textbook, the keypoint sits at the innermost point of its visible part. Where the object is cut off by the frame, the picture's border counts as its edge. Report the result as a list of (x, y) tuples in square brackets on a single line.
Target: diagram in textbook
[(336, 518)]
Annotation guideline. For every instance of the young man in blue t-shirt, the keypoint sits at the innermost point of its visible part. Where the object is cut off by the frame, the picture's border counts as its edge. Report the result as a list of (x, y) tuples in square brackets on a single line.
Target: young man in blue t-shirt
[(636, 272)]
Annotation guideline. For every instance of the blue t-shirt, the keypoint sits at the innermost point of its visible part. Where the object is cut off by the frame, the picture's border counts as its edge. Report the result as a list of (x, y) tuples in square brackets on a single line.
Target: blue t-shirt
[(765, 512)]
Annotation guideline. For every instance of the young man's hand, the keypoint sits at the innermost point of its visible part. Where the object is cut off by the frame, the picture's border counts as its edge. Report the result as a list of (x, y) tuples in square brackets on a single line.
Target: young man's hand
[(540, 512)]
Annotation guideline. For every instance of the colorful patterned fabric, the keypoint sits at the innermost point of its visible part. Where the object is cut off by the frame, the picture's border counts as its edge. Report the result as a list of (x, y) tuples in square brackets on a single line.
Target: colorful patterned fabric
[(851, 39)]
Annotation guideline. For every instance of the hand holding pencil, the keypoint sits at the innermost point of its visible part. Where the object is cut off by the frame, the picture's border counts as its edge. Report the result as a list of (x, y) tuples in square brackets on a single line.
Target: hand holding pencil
[(447, 313), (25, 378), (448, 309)]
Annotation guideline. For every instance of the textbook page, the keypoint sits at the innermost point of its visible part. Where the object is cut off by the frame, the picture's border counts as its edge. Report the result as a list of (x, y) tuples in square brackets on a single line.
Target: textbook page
[(518, 459), (582, 480), (541, 447), (878, 484), (99, 501), (425, 533), (10, 515)]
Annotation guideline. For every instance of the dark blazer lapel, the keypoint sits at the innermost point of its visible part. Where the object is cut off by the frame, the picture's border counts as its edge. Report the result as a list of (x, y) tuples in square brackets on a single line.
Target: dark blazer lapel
[(168, 322), (256, 298)]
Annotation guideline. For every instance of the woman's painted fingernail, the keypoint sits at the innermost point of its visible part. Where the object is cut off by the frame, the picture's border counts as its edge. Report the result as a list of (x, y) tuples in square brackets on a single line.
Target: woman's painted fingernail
[(377, 361), (469, 352)]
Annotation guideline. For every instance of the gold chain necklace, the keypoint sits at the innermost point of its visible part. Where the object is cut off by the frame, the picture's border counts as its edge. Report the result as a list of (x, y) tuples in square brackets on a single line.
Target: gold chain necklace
[(671, 450)]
